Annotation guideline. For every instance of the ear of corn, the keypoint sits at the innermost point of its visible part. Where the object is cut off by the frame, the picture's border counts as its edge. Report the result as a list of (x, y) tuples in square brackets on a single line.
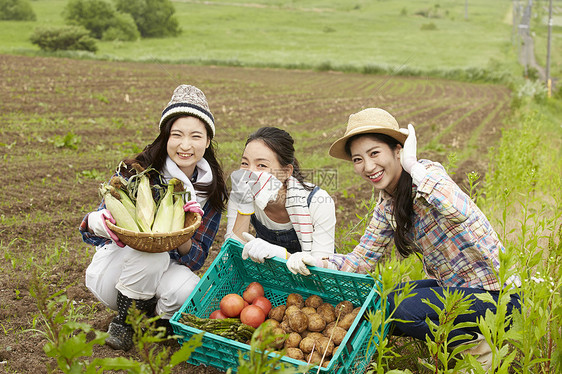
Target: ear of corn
[(126, 201), (120, 214), (179, 214), (146, 206), (165, 214)]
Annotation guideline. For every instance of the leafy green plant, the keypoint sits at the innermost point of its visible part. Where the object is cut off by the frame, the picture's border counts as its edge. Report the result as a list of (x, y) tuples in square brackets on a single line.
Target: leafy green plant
[(70, 140), (94, 15), (71, 38), (262, 359), (91, 174), (454, 304), (16, 10), (388, 275), (154, 18), (70, 343)]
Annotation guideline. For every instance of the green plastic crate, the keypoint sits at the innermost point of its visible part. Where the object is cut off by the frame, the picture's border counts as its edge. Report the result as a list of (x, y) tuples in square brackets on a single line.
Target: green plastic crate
[(230, 274)]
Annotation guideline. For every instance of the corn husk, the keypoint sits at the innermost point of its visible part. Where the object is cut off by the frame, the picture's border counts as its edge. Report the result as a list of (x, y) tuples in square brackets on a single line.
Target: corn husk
[(145, 206), (121, 215), (165, 213)]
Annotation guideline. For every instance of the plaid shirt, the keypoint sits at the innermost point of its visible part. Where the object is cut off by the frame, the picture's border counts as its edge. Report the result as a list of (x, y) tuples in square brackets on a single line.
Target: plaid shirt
[(459, 247), (201, 240)]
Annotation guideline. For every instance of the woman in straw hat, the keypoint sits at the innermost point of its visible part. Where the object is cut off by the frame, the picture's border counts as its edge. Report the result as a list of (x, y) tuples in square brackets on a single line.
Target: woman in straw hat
[(425, 213), (293, 219), (161, 282)]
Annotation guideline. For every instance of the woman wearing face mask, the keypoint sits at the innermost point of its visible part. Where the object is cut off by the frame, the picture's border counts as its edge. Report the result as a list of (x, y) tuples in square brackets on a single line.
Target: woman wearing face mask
[(293, 219), (161, 282), (424, 213)]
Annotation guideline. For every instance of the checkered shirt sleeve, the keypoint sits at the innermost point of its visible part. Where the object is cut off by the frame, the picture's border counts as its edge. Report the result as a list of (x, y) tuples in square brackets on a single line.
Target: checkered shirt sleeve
[(371, 247)]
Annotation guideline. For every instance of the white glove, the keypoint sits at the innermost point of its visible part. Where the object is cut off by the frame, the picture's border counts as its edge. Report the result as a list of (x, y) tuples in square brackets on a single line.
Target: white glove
[(96, 223), (408, 153), (298, 261), (258, 249), (248, 187)]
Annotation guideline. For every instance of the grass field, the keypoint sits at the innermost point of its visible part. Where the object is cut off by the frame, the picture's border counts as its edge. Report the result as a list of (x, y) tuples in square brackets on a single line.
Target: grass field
[(311, 34)]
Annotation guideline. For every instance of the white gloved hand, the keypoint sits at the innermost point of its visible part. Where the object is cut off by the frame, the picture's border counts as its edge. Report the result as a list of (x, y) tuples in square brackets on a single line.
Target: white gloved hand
[(249, 187), (408, 156), (298, 261), (258, 249), (96, 223)]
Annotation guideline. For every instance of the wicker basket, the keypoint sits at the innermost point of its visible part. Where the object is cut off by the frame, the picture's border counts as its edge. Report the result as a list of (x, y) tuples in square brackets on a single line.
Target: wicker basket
[(158, 242)]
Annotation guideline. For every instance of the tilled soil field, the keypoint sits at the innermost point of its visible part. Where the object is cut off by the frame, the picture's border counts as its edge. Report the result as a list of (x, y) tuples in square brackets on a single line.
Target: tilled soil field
[(65, 124)]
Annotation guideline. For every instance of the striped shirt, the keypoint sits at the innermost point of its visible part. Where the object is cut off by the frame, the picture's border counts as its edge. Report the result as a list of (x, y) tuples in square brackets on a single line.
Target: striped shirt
[(458, 245)]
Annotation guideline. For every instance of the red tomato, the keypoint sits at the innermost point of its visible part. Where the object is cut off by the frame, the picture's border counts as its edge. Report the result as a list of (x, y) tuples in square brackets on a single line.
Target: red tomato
[(253, 290), (231, 305), (217, 314), (252, 315), (263, 303)]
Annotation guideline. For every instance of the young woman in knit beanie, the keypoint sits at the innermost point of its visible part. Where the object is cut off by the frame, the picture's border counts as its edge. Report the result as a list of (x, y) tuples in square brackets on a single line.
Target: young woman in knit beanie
[(423, 212), (293, 219), (161, 282)]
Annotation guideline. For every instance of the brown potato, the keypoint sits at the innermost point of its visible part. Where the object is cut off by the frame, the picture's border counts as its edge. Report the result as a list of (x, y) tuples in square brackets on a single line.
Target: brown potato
[(329, 326), (325, 345), (295, 299), (307, 344), (316, 322), (338, 334), (315, 335), (314, 357), (325, 364), (273, 323), (327, 311), (346, 321), (285, 326), (308, 310), (280, 340), (291, 309), (298, 321), (343, 308), (313, 301), (356, 311), (293, 340), (277, 313), (295, 353), (305, 333)]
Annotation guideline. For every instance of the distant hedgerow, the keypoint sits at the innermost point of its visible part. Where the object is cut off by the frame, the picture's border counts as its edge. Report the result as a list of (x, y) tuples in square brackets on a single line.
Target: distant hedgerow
[(16, 10), (74, 38)]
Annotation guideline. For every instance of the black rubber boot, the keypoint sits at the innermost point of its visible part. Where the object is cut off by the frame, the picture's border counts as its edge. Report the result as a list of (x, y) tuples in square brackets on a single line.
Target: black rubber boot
[(120, 332), (166, 324)]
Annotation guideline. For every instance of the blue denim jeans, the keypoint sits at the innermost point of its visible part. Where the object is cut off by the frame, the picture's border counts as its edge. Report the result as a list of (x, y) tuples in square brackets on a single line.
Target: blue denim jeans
[(287, 239), (414, 310)]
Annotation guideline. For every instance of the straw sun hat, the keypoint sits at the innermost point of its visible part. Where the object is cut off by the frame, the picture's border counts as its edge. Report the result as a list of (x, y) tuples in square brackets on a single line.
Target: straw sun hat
[(368, 121)]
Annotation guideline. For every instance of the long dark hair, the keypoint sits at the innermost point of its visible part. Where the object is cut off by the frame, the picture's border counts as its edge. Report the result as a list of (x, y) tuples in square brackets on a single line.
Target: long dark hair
[(403, 200), (155, 155), (282, 144)]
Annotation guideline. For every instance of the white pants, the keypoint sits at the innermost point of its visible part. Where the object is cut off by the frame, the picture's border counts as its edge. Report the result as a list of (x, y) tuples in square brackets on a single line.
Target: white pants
[(140, 276)]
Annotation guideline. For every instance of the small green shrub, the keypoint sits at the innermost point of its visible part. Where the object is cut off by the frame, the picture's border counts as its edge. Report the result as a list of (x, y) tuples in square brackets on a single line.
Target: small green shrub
[(73, 38), (123, 28), (428, 26), (94, 15), (16, 10), (154, 18)]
